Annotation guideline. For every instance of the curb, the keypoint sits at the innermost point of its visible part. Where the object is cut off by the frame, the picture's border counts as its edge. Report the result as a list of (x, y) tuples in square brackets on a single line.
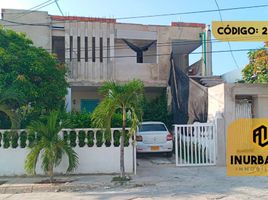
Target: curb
[(30, 188)]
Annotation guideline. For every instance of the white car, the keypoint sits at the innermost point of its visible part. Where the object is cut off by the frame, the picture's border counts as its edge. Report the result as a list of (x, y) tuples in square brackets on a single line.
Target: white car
[(154, 137)]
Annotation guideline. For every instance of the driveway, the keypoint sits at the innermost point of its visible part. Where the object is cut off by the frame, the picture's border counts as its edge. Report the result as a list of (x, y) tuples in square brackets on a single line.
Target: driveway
[(158, 178)]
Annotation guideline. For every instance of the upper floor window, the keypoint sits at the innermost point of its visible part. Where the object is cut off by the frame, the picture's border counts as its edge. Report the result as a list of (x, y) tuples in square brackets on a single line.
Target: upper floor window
[(58, 47), (78, 49), (93, 49), (86, 49), (71, 48), (101, 49)]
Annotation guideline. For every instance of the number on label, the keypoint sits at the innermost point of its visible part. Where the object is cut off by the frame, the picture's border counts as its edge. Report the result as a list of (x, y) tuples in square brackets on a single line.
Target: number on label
[(264, 30)]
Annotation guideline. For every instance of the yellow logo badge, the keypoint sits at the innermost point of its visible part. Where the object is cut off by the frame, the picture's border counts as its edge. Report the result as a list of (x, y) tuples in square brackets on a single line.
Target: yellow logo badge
[(247, 148)]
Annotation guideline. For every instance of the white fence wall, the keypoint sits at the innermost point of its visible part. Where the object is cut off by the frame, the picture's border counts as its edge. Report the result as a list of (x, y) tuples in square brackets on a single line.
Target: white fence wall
[(92, 160)]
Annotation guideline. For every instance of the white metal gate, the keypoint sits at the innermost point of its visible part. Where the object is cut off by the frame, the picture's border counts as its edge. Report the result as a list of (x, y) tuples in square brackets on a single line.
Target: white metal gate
[(195, 144)]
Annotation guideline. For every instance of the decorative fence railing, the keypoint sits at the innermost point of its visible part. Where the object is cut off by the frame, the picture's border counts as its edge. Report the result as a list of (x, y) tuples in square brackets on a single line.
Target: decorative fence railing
[(98, 152), (81, 137), (195, 144)]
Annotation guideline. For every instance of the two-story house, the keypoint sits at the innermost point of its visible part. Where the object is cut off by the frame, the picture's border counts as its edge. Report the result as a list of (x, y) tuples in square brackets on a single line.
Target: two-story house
[(100, 49)]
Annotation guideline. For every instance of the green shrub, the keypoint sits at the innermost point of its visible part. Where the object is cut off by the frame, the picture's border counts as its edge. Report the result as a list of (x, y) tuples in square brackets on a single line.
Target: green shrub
[(66, 137), (127, 136), (6, 140), (72, 138), (31, 139), (90, 138), (81, 138), (77, 119), (156, 110), (107, 138), (14, 139), (23, 139), (99, 138), (117, 121), (117, 138)]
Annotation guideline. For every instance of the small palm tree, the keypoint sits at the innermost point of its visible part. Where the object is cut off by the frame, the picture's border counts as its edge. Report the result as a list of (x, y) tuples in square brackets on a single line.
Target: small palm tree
[(126, 98), (9, 96), (50, 147)]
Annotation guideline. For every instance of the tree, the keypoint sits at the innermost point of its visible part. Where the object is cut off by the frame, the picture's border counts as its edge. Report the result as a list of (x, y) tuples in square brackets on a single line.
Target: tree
[(257, 69), (126, 99), (8, 97), (32, 71), (50, 147)]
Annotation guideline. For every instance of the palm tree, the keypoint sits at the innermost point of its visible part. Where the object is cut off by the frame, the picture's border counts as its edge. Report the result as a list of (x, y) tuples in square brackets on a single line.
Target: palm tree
[(50, 147), (126, 98)]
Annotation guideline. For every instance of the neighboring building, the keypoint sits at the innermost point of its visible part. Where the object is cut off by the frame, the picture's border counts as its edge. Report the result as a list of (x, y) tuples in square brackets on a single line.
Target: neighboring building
[(240, 100), (99, 49), (228, 102)]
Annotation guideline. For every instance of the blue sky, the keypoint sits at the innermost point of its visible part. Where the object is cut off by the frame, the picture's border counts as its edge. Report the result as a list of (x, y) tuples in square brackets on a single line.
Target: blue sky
[(222, 62)]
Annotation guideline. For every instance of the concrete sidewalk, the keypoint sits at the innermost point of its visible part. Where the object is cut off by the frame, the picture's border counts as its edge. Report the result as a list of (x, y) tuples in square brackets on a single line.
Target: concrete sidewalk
[(155, 179)]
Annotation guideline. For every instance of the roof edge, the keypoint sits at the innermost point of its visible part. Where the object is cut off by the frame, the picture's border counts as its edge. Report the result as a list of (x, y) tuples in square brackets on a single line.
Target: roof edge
[(84, 19), (188, 24)]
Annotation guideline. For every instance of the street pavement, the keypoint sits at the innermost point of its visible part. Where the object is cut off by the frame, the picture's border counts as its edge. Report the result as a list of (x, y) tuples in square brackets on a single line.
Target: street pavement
[(157, 178)]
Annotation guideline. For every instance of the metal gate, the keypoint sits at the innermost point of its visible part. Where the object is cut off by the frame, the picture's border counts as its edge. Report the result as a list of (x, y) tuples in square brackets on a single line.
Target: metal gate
[(243, 108), (195, 144)]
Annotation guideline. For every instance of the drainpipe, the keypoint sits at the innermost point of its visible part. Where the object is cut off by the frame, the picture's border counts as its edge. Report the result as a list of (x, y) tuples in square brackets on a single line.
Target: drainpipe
[(208, 52)]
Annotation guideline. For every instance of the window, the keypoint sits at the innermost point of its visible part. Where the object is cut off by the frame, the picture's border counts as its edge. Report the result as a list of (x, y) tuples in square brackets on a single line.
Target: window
[(93, 49), (152, 127), (71, 48), (101, 49), (58, 47), (78, 49), (108, 49), (86, 49)]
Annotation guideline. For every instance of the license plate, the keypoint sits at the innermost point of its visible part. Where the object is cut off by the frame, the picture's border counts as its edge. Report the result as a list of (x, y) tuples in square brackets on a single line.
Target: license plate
[(155, 148)]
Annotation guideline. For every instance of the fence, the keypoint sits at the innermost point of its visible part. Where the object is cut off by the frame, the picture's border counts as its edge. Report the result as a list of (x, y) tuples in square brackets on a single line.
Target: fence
[(195, 144), (98, 152)]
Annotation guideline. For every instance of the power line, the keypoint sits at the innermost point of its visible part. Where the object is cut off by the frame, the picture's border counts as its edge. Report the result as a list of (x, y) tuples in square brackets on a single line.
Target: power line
[(35, 8), (168, 54), (232, 54), (159, 44), (182, 13), (194, 12), (59, 7)]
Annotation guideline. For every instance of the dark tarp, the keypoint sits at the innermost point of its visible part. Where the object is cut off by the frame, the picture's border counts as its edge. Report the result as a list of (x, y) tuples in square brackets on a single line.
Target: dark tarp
[(139, 50), (189, 98)]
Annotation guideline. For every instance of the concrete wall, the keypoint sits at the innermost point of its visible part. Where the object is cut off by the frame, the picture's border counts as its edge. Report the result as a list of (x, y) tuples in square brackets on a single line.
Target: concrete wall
[(215, 101), (92, 160), (40, 35), (81, 71), (221, 103), (79, 93)]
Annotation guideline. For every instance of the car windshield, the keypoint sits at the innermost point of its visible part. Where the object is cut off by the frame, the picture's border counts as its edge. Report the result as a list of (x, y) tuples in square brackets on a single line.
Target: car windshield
[(152, 127)]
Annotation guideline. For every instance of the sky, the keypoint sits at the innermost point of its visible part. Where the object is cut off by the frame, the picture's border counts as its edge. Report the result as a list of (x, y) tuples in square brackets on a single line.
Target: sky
[(222, 62)]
